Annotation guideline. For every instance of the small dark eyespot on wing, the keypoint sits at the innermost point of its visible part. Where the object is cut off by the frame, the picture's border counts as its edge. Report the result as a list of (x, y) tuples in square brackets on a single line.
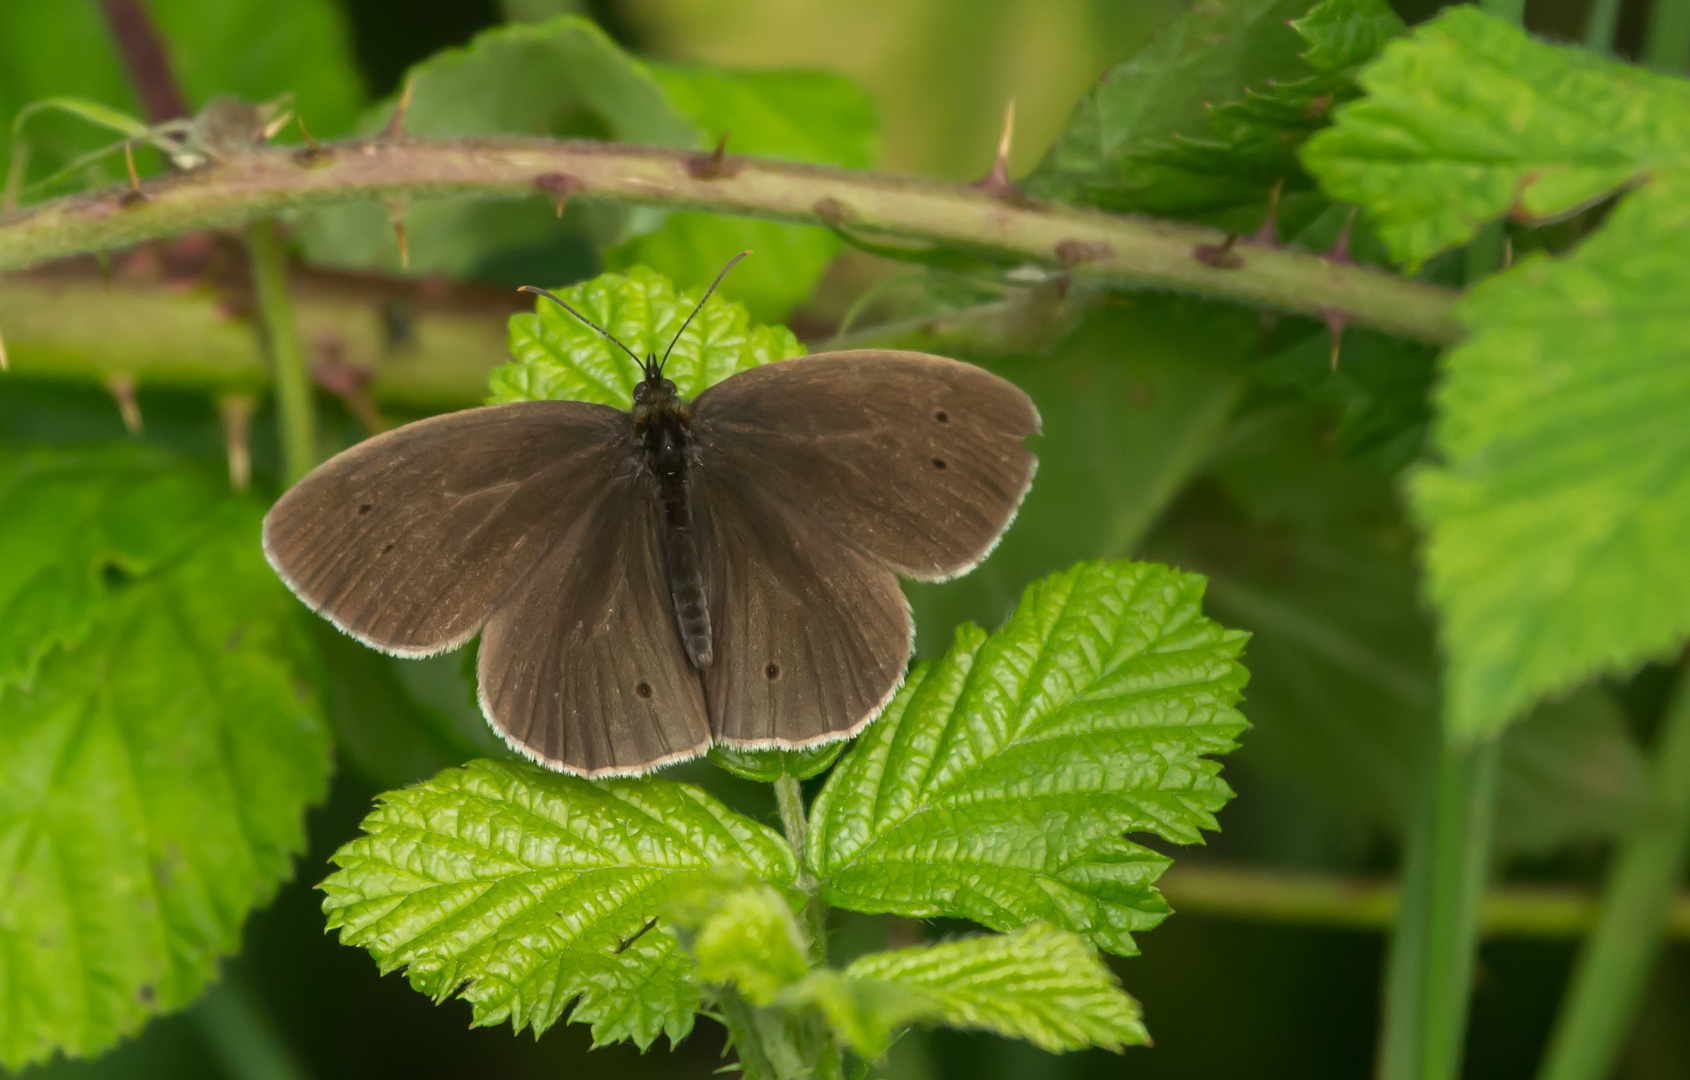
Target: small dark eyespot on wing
[(772, 671), (938, 463), (644, 689), (364, 509), (942, 416), (387, 547)]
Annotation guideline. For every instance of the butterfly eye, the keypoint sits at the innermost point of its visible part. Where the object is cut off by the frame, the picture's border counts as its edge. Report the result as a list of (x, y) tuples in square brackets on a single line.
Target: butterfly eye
[(668, 387), (639, 391)]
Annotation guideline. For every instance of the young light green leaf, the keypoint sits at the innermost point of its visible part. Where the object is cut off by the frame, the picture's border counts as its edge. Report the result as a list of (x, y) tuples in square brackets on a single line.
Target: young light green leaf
[(1469, 119), (1041, 984), (999, 782), (811, 116), (560, 357), (1037, 983), (740, 932), (1560, 517), (1207, 118), (155, 767), (525, 890)]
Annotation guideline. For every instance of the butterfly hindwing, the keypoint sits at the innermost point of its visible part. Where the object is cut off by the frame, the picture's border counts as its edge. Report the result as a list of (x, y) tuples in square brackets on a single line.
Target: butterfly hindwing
[(582, 668), (812, 635)]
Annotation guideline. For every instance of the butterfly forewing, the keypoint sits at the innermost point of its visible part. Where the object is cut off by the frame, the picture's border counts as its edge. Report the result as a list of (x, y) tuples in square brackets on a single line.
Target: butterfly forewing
[(407, 540), (918, 460), (812, 635), (582, 669)]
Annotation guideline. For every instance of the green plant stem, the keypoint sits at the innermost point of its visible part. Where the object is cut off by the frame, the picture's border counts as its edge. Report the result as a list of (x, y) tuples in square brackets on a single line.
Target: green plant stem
[(1614, 967), (1512, 10), (1338, 902), (1111, 249), (1666, 40), (1430, 968), (789, 796), (294, 409), (1599, 31), (242, 1038)]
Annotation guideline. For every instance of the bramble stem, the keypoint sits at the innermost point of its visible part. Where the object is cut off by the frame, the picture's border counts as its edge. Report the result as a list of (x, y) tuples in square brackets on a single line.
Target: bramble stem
[(1339, 902), (1618, 958), (1111, 249), (1599, 31), (1666, 40), (294, 408), (243, 1038), (1430, 970)]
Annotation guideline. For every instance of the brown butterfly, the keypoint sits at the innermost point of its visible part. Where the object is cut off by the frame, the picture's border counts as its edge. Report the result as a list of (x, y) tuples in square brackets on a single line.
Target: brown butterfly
[(649, 583)]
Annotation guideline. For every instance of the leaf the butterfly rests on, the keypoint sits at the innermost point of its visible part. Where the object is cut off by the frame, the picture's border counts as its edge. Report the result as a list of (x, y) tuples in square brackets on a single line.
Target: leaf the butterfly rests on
[(650, 582), (521, 890), (1000, 783)]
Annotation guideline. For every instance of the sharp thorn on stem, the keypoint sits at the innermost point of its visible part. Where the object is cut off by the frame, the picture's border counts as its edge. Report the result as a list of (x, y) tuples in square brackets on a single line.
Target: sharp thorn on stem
[(997, 182), (714, 165), (122, 388), (1221, 256), (1335, 321), (395, 128), (310, 139), (1340, 250), (396, 211), (347, 382), (236, 411), (1268, 234)]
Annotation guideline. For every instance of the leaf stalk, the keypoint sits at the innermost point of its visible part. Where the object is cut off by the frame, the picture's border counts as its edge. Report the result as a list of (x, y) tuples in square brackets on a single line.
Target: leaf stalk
[(295, 413)]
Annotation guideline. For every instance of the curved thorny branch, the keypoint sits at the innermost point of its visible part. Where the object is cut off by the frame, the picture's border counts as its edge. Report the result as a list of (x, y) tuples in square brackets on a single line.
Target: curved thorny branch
[(1088, 245)]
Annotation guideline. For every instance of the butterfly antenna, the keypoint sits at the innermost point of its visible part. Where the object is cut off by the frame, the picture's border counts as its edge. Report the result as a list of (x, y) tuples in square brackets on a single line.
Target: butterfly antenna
[(537, 291), (700, 307)]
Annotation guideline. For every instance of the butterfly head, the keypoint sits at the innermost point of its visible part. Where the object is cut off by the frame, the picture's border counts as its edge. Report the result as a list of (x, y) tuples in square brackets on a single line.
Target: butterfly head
[(654, 393)]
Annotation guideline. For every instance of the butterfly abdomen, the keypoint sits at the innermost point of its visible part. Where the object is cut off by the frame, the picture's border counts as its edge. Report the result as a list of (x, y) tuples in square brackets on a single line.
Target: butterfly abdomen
[(668, 452)]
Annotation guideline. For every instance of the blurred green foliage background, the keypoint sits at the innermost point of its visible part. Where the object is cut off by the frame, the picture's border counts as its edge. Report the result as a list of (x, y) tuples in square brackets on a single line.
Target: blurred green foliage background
[(1321, 781)]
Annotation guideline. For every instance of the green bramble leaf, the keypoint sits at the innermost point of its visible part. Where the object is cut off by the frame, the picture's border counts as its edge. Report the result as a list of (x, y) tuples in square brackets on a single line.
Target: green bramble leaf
[(1206, 120), (560, 357), (156, 760), (76, 526), (564, 78), (524, 890), (1559, 518), (999, 782), (1038, 983), (1469, 119)]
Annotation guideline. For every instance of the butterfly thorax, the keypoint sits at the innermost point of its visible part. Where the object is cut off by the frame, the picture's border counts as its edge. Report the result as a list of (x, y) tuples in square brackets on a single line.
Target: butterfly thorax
[(663, 428)]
